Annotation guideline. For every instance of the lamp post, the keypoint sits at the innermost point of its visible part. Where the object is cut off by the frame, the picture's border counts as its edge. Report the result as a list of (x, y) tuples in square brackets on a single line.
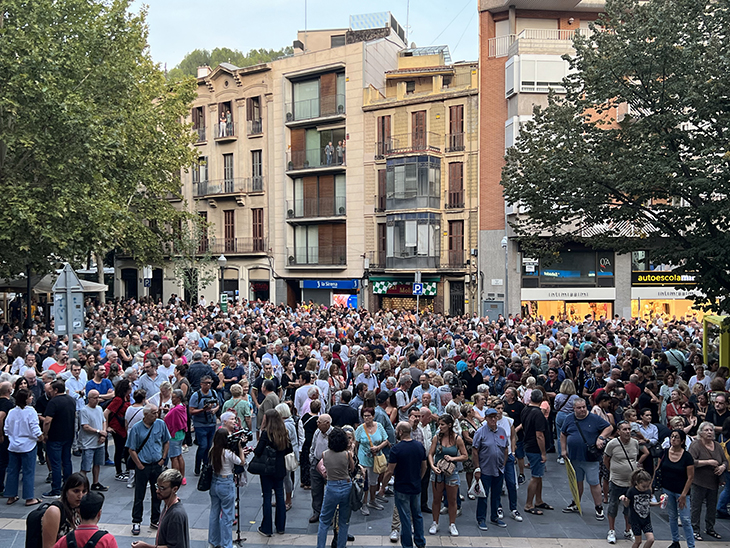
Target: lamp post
[(506, 277), (222, 261)]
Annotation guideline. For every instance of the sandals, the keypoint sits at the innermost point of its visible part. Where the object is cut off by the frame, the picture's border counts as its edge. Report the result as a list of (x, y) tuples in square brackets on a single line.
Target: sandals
[(534, 511), (713, 534), (33, 502), (544, 506), (12, 500), (698, 537)]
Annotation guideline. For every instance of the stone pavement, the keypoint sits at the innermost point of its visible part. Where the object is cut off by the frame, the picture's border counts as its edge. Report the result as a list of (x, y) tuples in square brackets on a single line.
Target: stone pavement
[(552, 530)]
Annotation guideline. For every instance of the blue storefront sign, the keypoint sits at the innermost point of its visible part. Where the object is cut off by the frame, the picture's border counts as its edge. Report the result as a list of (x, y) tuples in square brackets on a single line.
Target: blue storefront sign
[(331, 284)]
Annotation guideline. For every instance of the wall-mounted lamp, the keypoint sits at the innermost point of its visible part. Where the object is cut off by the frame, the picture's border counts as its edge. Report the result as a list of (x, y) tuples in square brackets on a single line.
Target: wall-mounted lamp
[(571, 20)]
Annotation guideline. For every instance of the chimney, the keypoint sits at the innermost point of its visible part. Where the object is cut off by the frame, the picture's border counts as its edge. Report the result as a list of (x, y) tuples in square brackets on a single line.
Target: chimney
[(298, 47), (203, 71)]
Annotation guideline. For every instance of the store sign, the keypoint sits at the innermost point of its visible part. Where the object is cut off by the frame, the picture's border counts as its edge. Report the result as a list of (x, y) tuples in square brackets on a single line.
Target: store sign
[(662, 278), (331, 284), (659, 293), (402, 288), (569, 294)]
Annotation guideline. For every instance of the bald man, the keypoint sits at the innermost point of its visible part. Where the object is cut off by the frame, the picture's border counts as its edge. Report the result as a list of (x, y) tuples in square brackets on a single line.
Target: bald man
[(92, 436), (320, 440)]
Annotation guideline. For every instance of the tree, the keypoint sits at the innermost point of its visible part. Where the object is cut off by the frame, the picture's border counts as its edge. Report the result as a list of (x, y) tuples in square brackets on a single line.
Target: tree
[(193, 262), (200, 57), (655, 179), (91, 139)]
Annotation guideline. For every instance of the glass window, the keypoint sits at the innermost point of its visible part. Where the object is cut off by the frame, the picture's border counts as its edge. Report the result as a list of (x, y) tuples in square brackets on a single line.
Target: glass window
[(306, 100)]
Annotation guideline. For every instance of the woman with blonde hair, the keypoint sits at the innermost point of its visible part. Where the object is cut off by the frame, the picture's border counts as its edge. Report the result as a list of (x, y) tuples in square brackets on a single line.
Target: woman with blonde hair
[(563, 405), (291, 429)]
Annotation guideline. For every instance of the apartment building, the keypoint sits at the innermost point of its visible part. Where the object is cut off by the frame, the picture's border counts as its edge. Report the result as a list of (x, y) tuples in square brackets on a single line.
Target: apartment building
[(421, 190)]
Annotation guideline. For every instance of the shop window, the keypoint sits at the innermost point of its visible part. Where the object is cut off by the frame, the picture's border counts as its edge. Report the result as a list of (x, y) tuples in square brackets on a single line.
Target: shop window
[(571, 268)]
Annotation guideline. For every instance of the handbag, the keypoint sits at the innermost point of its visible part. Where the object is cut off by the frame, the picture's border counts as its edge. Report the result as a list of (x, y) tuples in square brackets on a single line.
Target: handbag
[(477, 489), (593, 453), (321, 469), (358, 491), (290, 461), (206, 477), (131, 465), (380, 463), (265, 463), (656, 479)]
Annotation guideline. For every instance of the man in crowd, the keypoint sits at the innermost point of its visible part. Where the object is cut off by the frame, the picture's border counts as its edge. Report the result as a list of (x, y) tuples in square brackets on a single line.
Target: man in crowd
[(426, 388), (427, 427), (92, 437), (343, 414), (489, 455), (404, 402), (203, 406), (510, 478), (471, 379), (151, 380), (513, 409), (198, 370), (535, 427), (173, 531), (90, 514), (148, 443), (367, 378), (58, 429), (319, 446), (359, 398)]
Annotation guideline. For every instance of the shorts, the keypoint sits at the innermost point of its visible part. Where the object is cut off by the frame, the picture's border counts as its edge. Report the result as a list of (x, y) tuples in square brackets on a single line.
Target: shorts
[(175, 448), (537, 467), (639, 528), (520, 450), (91, 457), (451, 481), (586, 471), (614, 492)]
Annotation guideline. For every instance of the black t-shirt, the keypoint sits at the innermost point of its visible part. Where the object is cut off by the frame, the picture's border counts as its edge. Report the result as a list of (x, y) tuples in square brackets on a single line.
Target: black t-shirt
[(645, 402), (674, 474), (300, 365), (471, 383), (343, 414), (6, 404), (533, 421), (259, 382), (714, 418), (639, 507), (514, 412), (407, 457), (174, 531), (62, 409)]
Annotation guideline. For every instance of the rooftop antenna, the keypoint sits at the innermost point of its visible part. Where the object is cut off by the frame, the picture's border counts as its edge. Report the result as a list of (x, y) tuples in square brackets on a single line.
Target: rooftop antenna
[(408, 16), (305, 25)]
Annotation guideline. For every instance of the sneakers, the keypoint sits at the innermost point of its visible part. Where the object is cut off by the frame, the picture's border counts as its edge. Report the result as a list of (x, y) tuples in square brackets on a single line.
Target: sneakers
[(375, 505), (611, 537), (458, 512), (122, 477), (49, 478), (600, 516), (629, 535), (135, 529), (482, 524), (184, 481), (261, 532), (154, 525), (674, 544), (561, 460), (394, 535), (364, 510), (500, 513), (185, 449), (570, 509), (381, 499), (521, 479), (516, 515), (99, 487), (444, 510), (433, 529), (52, 495), (499, 523), (453, 531)]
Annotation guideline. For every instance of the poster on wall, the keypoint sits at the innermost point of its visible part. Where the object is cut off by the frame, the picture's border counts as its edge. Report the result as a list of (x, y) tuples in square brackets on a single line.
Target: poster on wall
[(349, 301)]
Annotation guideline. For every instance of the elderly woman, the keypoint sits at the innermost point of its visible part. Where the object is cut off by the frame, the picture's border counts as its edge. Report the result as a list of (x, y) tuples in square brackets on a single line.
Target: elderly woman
[(291, 429), (312, 395), (480, 405), (238, 403), (469, 425), (710, 465), (163, 399), (176, 421)]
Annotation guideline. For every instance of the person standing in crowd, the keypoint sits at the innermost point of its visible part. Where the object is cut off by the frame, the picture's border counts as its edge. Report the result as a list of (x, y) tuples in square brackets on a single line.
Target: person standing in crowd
[(148, 444), (638, 500), (58, 429), (678, 469), (535, 428), (173, 531), (320, 442), (222, 490), (513, 407), (23, 433), (204, 405), (489, 454), (342, 414), (114, 416), (6, 404), (710, 465), (76, 388), (100, 383), (510, 474), (339, 463), (90, 514), (176, 422), (371, 439), (92, 437), (62, 516)]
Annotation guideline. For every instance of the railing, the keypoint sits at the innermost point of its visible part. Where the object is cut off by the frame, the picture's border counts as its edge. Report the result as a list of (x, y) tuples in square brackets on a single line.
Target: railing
[(455, 198), (255, 127), (411, 262), (377, 259), (413, 200), (499, 47), (461, 80), (319, 107), (456, 258), (416, 141), (224, 130), (316, 207), (335, 255), (315, 158), (236, 185), (233, 245), (200, 132), (455, 142)]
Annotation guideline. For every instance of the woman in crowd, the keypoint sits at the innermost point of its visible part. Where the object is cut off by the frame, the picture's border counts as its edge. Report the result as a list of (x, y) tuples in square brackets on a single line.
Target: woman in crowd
[(274, 435), (238, 403), (23, 433), (339, 464), (62, 516), (285, 412), (308, 426), (678, 468), (649, 399), (289, 382), (563, 405), (163, 399), (710, 465), (447, 448), (114, 415), (231, 374), (665, 394), (469, 426), (650, 433), (702, 405), (20, 384), (177, 424), (691, 421), (371, 439), (674, 406), (222, 490), (479, 406)]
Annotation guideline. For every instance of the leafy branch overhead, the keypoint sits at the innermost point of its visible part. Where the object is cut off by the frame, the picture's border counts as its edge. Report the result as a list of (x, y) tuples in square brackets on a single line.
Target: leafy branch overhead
[(635, 155), (200, 57)]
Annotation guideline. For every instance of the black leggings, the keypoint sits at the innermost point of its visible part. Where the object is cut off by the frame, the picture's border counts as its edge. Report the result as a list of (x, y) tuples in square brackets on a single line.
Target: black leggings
[(120, 452)]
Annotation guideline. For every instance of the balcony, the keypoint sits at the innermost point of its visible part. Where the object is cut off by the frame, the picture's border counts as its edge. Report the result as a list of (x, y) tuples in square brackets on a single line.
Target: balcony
[(254, 128), (335, 255), (500, 46), (200, 132), (316, 207), (314, 158), (455, 199), (455, 142), (409, 143), (233, 246), (225, 131), (456, 259), (407, 261), (327, 106), (412, 200), (236, 185)]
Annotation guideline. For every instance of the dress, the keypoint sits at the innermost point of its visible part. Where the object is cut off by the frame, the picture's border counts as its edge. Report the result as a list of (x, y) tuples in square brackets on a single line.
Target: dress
[(467, 427)]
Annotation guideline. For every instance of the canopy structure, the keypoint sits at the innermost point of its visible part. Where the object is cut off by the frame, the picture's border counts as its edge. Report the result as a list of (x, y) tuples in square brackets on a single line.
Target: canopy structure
[(44, 284)]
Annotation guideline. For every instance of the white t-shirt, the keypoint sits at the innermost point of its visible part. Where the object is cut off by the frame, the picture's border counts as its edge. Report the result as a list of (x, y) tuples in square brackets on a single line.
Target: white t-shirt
[(506, 423)]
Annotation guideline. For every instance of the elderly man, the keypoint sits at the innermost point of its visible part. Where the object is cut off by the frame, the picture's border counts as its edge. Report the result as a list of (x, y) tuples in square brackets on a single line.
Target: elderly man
[(426, 388), (426, 401), (580, 430), (151, 380), (34, 387), (320, 442), (167, 369), (489, 455), (148, 442), (92, 437), (367, 378)]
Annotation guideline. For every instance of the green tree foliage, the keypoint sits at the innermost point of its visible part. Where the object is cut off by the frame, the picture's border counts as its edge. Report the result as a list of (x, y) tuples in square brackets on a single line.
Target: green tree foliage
[(91, 143), (656, 179), (199, 57), (193, 262)]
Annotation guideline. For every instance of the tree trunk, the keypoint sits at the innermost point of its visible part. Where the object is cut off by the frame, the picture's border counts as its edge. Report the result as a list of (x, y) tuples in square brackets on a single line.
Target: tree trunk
[(100, 275)]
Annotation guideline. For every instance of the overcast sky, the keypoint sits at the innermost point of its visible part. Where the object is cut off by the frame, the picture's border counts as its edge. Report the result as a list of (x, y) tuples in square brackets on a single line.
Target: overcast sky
[(180, 26)]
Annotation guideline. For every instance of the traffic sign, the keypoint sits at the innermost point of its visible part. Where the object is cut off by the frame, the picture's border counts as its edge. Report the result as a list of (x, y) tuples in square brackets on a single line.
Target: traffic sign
[(148, 282), (224, 302), (418, 289)]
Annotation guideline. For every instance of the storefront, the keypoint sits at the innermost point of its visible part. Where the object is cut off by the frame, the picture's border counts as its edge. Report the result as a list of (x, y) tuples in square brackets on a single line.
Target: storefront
[(663, 293), (395, 294), (332, 292), (259, 285), (569, 303)]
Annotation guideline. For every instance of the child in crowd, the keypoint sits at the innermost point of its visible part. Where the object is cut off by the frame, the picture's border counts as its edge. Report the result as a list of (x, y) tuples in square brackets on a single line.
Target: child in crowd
[(638, 499)]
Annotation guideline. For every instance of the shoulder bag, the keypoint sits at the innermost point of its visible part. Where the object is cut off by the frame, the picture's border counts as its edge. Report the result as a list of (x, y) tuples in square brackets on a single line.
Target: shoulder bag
[(206, 476), (631, 464), (593, 453), (131, 465), (380, 463), (264, 464)]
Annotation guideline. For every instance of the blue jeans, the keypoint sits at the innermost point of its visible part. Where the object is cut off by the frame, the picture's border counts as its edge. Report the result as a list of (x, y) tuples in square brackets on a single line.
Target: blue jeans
[(204, 438), (510, 478), (672, 511), (222, 501), (336, 493), (724, 498), (59, 456), (411, 520), (493, 490), (559, 420), (268, 484), (27, 462)]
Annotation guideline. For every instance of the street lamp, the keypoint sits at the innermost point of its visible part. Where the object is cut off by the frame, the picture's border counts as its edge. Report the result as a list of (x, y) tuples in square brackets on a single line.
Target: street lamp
[(222, 261), (503, 243)]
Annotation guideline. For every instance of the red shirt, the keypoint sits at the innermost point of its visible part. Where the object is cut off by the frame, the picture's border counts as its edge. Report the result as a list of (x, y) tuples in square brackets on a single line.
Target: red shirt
[(83, 533), (633, 391)]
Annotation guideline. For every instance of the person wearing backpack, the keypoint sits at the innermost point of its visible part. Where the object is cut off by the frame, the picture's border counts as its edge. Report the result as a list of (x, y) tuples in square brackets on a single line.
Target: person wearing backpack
[(87, 534), (45, 525)]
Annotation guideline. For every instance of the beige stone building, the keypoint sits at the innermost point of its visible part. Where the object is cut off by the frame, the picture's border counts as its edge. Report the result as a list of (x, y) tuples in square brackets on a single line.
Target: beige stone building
[(421, 183)]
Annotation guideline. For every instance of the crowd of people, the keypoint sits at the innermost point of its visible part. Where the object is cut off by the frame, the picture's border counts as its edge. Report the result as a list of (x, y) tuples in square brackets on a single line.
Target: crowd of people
[(427, 409)]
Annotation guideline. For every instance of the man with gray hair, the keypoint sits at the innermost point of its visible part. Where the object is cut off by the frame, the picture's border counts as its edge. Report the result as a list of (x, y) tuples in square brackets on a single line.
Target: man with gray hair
[(403, 401), (148, 442)]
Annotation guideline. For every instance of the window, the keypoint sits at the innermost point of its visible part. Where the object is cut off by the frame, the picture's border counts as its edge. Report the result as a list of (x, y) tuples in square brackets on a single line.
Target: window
[(257, 179), (456, 129), (306, 100), (542, 74), (199, 122), (200, 171), (456, 243), (412, 240), (203, 245), (229, 231), (225, 120), (579, 268), (413, 182), (253, 115), (306, 244), (318, 196), (323, 96), (418, 130), (410, 86), (337, 40), (383, 144), (259, 243), (382, 245), (456, 185), (380, 206), (228, 180)]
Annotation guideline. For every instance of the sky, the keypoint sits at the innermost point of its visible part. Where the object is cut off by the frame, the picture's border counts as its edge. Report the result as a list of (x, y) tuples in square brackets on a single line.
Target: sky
[(180, 26)]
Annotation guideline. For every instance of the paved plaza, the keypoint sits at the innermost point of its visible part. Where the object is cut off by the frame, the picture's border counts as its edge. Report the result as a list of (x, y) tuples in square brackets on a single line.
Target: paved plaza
[(552, 530)]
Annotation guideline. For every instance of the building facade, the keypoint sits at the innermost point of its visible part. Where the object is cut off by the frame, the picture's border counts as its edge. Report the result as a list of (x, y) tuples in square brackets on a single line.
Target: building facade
[(421, 168)]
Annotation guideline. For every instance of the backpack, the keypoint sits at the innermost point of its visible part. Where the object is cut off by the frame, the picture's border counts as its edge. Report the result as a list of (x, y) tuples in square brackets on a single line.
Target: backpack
[(91, 543), (33, 524)]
